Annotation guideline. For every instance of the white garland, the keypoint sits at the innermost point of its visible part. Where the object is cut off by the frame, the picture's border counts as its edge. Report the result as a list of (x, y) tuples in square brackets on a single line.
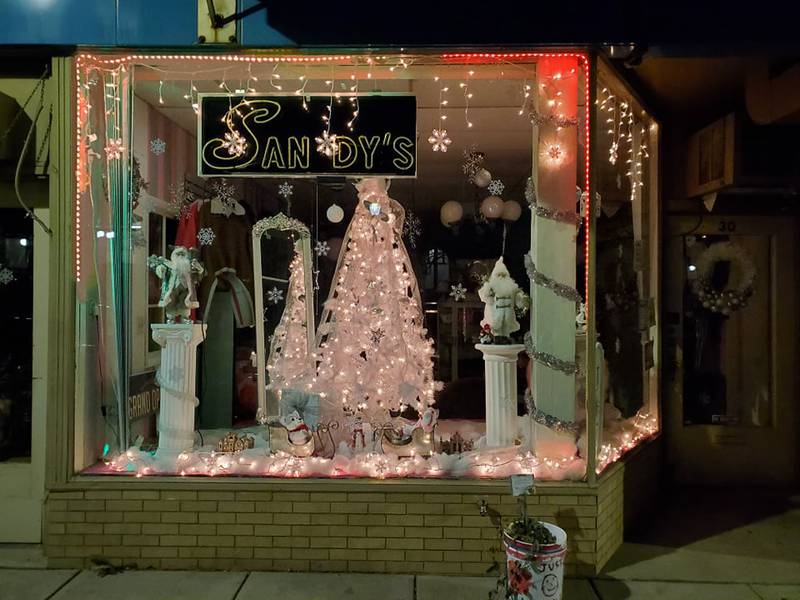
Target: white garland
[(740, 282)]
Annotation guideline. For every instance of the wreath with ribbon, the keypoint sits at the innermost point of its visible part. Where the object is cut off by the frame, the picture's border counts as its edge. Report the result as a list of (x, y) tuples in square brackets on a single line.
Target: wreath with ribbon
[(741, 279)]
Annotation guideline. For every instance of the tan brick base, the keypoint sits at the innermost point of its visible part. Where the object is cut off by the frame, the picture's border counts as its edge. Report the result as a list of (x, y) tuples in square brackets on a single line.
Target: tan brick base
[(360, 526)]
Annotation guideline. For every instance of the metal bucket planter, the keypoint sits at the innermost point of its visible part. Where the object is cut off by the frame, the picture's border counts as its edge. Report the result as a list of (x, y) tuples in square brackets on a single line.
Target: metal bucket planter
[(536, 573)]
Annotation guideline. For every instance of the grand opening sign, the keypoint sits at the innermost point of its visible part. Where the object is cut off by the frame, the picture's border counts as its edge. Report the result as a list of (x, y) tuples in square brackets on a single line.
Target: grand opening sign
[(279, 136)]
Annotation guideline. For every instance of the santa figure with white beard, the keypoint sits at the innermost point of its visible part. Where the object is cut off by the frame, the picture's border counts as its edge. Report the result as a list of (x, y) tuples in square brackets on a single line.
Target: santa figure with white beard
[(502, 297)]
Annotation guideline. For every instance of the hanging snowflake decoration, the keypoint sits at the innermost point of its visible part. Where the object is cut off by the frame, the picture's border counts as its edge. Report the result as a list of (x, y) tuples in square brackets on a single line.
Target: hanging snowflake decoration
[(322, 248), (234, 143), (376, 336), (274, 295), (158, 146), (473, 162), (412, 229), (458, 292), (439, 140), (226, 193), (286, 190), (495, 187), (206, 236), (114, 149), (181, 198), (327, 144), (6, 276)]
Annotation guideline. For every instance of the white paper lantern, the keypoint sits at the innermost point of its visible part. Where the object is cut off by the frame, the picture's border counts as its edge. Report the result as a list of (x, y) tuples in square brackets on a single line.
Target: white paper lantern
[(511, 210), (451, 212), (492, 207), (482, 178), (335, 213)]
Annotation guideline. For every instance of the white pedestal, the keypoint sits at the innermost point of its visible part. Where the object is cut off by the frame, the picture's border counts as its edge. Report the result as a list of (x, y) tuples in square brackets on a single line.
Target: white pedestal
[(500, 367), (176, 377)]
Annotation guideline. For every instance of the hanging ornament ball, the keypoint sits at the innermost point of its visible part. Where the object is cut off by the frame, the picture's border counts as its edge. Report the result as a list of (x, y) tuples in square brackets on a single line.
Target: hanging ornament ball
[(335, 213), (511, 210), (335, 245), (451, 212), (482, 178), (492, 207)]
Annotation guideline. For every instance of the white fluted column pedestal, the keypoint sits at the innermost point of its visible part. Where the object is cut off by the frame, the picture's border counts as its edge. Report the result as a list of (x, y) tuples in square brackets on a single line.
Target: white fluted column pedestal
[(500, 368), (176, 377)]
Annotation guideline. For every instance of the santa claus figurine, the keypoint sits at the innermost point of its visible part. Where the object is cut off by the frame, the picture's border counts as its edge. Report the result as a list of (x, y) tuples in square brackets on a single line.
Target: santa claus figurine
[(502, 297)]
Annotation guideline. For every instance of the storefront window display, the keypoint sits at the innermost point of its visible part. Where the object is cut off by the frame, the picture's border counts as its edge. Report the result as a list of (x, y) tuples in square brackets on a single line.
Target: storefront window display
[(353, 266)]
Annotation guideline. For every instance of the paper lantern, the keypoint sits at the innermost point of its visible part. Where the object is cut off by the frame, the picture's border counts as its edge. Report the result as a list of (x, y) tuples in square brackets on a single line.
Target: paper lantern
[(492, 207), (482, 178), (451, 212), (335, 213), (511, 210)]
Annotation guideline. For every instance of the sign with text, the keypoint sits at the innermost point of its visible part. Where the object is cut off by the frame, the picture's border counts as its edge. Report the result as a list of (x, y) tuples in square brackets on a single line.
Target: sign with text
[(144, 396), (278, 135)]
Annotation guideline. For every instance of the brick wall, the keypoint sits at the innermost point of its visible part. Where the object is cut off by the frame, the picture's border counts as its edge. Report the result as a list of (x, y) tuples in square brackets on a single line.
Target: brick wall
[(390, 527)]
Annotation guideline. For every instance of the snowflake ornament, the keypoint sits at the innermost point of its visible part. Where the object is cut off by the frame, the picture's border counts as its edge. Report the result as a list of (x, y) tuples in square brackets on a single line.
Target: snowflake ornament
[(206, 236), (555, 152), (6, 276), (458, 292), (439, 140), (158, 146), (473, 162), (412, 229), (114, 149), (327, 144), (181, 197), (234, 143), (226, 193), (322, 248), (376, 336), (286, 190), (274, 295), (495, 187)]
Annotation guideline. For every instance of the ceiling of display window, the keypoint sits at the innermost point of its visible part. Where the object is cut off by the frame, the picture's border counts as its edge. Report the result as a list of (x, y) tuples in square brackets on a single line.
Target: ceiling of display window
[(497, 96)]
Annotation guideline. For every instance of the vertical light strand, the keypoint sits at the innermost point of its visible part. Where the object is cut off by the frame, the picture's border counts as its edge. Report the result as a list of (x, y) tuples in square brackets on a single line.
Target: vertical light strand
[(467, 97)]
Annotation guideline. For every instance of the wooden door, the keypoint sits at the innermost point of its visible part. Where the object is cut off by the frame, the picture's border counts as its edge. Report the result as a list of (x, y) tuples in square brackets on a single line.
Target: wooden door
[(731, 408)]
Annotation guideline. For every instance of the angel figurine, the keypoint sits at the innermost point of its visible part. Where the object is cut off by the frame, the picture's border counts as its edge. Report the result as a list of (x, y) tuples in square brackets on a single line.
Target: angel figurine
[(179, 275), (502, 297)]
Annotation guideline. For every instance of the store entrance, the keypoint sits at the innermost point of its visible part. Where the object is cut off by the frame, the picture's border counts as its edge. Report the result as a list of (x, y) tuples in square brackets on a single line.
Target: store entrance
[(24, 270), (731, 302)]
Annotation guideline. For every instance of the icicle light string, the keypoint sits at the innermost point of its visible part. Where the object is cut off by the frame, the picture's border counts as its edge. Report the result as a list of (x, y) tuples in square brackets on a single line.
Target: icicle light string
[(467, 97)]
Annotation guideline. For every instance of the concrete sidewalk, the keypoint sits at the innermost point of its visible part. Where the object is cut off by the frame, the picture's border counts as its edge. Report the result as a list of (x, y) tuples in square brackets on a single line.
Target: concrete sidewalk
[(39, 584)]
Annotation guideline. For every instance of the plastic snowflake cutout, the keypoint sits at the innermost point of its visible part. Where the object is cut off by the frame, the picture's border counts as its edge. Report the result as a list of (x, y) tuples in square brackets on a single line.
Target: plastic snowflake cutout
[(439, 140), (286, 190), (322, 248), (274, 295), (458, 292), (495, 187), (376, 335), (114, 149), (225, 193), (327, 144), (158, 146), (206, 236), (555, 152), (235, 143), (412, 228), (6, 276)]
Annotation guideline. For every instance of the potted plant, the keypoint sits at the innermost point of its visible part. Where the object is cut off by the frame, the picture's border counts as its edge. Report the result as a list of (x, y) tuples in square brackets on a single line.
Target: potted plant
[(535, 550)]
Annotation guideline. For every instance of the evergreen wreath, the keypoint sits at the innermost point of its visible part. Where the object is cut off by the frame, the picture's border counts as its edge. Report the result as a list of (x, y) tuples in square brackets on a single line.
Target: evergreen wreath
[(741, 279)]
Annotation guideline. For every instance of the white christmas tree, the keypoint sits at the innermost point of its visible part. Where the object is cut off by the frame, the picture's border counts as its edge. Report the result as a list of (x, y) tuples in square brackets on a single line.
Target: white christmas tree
[(289, 364), (373, 351)]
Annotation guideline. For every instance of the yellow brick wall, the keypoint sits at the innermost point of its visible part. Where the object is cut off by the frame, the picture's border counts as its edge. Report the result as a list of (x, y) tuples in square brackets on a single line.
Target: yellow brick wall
[(388, 527), (390, 531)]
